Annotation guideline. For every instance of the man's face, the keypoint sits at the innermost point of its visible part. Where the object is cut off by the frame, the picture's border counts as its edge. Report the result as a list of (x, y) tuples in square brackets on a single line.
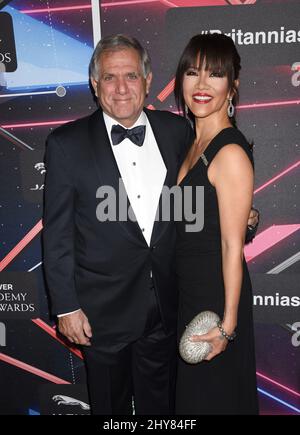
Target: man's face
[(121, 87)]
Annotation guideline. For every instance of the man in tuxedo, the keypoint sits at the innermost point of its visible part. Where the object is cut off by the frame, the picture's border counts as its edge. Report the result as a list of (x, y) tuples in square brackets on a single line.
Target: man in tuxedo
[(112, 283)]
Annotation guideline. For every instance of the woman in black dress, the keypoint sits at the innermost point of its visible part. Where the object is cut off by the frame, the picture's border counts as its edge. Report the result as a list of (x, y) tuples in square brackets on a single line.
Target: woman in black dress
[(212, 272)]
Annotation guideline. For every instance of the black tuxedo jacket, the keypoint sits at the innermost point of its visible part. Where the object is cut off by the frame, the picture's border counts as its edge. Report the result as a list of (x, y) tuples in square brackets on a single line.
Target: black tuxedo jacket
[(104, 267)]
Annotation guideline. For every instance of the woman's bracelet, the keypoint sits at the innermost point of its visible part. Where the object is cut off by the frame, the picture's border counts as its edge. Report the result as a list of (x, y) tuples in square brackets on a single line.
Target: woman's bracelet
[(224, 333)]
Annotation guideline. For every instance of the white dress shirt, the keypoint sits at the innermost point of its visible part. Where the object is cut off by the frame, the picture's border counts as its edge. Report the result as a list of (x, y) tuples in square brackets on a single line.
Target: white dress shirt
[(143, 172)]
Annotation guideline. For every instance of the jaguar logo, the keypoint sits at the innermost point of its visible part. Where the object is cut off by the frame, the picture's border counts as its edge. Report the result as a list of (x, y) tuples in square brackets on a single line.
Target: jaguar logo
[(70, 401), (296, 76), (40, 167)]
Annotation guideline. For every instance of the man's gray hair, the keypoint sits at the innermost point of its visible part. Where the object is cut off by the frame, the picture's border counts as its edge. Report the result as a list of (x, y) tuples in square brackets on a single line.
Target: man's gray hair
[(116, 43)]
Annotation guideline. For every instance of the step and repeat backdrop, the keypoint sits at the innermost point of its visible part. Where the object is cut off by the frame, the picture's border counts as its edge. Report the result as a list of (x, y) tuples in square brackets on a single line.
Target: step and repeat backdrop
[(45, 47)]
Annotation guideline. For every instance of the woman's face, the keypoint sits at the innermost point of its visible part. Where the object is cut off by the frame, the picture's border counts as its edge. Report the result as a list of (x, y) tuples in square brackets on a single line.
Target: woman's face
[(206, 93)]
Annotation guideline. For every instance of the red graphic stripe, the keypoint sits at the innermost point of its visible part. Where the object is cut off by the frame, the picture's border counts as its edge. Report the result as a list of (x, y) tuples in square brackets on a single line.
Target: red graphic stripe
[(31, 369), (21, 245), (166, 91), (171, 4), (278, 384), (52, 332), (89, 6)]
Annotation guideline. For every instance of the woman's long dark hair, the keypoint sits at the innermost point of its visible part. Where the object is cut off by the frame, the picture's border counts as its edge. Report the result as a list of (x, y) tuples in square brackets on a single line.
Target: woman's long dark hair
[(217, 53)]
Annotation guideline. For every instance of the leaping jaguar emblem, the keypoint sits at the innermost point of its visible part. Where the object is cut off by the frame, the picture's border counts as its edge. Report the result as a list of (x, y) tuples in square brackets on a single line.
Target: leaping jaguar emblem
[(66, 400)]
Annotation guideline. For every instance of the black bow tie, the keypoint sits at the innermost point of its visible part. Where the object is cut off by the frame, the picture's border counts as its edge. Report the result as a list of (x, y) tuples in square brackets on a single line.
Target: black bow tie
[(136, 134)]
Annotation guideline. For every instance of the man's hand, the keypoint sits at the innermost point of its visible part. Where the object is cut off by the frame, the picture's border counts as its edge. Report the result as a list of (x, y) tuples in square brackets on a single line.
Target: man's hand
[(76, 328), (253, 218)]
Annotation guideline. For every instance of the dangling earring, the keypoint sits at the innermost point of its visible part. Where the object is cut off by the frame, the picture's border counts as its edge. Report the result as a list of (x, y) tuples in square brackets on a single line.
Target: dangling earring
[(230, 109)]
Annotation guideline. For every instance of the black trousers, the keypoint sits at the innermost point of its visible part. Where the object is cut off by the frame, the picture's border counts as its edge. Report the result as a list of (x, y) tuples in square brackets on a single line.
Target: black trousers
[(142, 376)]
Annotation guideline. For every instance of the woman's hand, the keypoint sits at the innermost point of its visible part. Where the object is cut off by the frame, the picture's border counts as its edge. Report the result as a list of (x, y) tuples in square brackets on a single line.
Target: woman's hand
[(215, 339)]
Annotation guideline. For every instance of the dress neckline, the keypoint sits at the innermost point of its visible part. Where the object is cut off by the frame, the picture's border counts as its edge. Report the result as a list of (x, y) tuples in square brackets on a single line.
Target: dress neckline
[(202, 156)]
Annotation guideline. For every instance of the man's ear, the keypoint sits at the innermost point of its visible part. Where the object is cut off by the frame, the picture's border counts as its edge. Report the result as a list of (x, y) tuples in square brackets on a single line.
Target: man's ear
[(94, 84), (148, 82)]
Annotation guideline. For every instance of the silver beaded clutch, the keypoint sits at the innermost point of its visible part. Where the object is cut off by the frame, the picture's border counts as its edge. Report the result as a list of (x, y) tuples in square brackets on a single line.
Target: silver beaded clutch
[(194, 352)]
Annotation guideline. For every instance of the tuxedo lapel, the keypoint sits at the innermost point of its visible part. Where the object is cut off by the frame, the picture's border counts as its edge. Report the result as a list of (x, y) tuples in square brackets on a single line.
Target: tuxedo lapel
[(162, 138), (107, 169)]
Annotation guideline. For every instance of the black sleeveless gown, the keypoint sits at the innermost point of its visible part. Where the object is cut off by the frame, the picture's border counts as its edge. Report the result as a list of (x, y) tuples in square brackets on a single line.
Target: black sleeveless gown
[(227, 383)]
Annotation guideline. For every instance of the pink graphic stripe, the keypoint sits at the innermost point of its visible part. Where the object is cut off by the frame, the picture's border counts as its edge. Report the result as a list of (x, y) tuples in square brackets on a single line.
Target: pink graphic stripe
[(47, 328), (37, 124), (58, 9), (31, 369), (168, 3), (169, 88), (161, 96), (127, 3), (281, 174), (258, 105), (239, 2), (268, 238), (21, 245), (278, 384), (269, 104), (38, 227)]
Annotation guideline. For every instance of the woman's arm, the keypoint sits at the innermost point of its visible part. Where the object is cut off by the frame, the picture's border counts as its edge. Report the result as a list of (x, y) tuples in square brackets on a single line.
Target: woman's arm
[(231, 173)]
